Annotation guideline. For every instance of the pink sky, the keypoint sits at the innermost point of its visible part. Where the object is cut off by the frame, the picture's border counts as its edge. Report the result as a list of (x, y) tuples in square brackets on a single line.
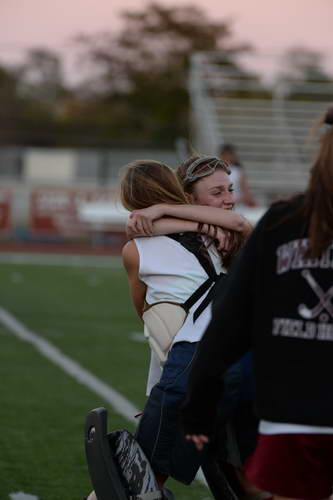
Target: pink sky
[(270, 26)]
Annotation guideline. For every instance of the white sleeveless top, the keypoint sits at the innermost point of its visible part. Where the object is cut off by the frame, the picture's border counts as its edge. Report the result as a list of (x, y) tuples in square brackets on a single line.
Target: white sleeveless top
[(172, 273), (235, 177)]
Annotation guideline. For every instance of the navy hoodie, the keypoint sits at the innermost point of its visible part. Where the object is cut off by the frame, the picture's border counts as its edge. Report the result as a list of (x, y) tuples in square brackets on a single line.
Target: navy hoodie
[(278, 304)]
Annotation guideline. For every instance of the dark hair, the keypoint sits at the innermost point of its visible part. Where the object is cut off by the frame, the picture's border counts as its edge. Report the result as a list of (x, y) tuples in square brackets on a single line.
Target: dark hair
[(227, 148), (318, 201), (328, 120), (231, 149)]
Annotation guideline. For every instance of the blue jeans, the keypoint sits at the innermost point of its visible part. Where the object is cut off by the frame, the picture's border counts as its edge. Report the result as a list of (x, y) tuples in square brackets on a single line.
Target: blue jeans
[(159, 433)]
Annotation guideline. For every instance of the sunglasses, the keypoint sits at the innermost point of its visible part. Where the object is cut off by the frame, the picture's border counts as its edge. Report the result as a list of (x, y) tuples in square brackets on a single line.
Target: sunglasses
[(208, 166)]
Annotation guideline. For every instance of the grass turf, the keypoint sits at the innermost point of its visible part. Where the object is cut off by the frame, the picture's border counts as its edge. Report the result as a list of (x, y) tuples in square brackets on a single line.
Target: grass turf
[(86, 312)]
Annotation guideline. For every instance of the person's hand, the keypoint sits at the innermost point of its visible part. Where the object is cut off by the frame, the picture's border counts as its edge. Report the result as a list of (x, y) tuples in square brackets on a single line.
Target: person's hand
[(222, 239), (219, 235), (140, 222), (138, 225), (198, 439)]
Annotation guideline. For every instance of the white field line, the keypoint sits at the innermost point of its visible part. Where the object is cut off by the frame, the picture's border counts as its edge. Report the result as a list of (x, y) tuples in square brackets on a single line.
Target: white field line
[(22, 496), (111, 262), (119, 403)]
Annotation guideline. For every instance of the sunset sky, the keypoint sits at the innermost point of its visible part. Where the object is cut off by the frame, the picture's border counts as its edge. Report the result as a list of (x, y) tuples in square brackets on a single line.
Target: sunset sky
[(270, 26)]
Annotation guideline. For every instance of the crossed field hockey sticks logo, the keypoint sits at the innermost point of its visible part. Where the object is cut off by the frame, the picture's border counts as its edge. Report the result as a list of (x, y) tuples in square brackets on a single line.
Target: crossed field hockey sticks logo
[(324, 298)]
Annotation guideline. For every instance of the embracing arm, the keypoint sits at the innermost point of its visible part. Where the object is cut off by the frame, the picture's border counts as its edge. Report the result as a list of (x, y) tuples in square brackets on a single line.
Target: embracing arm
[(211, 215), (165, 225), (170, 225), (140, 222), (131, 263)]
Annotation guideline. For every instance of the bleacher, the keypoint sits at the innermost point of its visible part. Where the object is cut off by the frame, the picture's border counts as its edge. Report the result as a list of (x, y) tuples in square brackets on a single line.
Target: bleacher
[(271, 127)]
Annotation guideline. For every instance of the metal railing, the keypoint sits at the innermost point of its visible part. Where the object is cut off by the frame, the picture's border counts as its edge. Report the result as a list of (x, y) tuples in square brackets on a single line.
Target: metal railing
[(270, 126)]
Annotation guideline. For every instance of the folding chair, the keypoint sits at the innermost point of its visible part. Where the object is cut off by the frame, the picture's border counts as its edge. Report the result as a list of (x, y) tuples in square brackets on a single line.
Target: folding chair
[(102, 468), (118, 468)]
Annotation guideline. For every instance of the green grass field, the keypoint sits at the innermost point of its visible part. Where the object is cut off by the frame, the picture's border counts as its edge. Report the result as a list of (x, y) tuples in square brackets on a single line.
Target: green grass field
[(85, 311)]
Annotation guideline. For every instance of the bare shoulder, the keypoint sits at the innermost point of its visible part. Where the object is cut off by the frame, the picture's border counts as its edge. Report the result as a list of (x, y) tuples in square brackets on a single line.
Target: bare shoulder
[(129, 248), (130, 255)]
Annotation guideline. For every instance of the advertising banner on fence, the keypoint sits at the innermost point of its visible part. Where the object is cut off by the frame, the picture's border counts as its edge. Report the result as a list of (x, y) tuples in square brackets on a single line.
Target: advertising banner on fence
[(5, 210), (58, 211)]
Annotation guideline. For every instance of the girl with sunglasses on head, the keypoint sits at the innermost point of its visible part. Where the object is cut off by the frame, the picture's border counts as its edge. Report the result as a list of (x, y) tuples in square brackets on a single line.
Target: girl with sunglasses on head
[(208, 189), (161, 269)]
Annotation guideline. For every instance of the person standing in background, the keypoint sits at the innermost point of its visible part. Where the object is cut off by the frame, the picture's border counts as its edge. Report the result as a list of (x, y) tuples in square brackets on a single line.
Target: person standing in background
[(238, 177)]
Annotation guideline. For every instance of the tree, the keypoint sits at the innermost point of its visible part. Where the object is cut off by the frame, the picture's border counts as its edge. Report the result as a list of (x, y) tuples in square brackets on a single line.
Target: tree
[(304, 75), (41, 76), (136, 89), (32, 98), (140, 74), (300, 63)]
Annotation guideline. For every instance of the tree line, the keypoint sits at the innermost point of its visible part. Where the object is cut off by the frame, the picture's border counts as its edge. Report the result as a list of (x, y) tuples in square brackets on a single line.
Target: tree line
[(134, 92)]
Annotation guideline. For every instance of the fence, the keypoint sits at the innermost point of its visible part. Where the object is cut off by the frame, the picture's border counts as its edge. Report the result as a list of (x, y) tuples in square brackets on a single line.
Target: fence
[(270, 126)]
